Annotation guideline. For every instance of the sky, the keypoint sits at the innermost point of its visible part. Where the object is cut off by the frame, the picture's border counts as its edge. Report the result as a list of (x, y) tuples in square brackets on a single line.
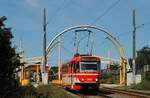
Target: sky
[(115, 16)]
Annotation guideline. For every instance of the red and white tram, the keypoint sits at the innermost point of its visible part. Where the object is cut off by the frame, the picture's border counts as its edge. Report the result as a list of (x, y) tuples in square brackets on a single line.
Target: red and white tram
[(81, 72)]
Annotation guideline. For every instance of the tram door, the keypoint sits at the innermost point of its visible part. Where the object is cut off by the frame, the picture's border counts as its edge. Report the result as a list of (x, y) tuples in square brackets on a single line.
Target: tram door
[(72, 72)]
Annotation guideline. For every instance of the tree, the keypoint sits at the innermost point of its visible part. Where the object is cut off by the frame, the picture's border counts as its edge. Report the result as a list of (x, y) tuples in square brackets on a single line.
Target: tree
[(143, 57), (113, 66), (130, 62), (53, 72), (9, 60)]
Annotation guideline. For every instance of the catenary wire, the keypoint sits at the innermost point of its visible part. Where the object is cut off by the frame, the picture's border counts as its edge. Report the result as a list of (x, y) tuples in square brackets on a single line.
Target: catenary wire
[(106, 11)]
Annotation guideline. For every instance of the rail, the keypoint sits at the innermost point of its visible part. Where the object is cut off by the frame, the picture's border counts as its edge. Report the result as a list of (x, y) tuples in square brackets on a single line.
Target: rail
[(140, 94)]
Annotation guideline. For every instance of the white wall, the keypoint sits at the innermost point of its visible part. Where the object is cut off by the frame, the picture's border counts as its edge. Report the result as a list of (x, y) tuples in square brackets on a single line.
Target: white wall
[(130, 78)]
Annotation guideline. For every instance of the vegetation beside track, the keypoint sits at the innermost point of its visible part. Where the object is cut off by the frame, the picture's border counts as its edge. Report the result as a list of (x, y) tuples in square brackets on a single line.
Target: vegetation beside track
[(144, 85), (109, 78), (48, 91)]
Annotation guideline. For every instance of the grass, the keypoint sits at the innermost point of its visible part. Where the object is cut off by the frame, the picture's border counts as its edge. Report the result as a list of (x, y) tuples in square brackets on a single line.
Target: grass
[(49, 91), (144, 85), (52, 91), (109, 78)]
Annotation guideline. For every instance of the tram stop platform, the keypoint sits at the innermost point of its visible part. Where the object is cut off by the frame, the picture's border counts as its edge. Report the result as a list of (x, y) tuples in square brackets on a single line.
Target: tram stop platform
[(117, 87), (58, 82), (110, 85)]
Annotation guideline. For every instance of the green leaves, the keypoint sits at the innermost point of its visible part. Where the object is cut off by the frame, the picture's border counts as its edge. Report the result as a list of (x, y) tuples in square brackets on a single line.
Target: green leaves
[(2, 19), (143, 57), (8, 59)]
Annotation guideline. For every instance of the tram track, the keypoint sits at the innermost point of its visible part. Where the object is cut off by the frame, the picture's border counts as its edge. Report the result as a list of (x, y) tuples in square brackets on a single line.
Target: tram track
[(132, 93), (113, 93), (106, 92), (94, 94)]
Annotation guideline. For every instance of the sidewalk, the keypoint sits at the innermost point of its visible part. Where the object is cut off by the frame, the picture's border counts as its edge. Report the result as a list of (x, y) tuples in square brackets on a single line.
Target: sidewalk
[(110, 85), (117, 86)]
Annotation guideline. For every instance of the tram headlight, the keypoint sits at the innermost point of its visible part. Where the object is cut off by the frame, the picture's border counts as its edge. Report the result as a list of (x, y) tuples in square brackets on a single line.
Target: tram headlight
[(96, 79), (82, 79)]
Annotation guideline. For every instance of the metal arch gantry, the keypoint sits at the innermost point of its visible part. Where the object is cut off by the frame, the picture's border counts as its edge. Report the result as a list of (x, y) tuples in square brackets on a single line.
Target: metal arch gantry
[(123, 61), (110, 37)]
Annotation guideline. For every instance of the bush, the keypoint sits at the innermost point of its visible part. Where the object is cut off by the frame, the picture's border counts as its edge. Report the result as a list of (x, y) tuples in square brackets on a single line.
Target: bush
[(144, 85), (109, 78), (147, 75), (48, 91)]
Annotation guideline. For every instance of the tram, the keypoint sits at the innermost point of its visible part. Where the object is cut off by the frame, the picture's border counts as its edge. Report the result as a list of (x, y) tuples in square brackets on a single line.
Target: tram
[(81, 72)]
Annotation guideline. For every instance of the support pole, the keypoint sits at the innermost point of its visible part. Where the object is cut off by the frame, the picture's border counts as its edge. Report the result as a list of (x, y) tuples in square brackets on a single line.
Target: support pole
[(59, 78), (134, 47), (37, 73), (21, 74), (122, 62), (44, 74)]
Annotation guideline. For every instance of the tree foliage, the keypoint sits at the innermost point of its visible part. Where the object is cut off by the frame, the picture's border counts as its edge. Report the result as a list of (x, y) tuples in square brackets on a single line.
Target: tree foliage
[(53, 72), (143, 57), (8, 59)]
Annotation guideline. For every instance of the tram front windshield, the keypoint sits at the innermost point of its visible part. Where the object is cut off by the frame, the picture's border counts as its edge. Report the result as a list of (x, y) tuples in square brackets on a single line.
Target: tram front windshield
[(89, 66)]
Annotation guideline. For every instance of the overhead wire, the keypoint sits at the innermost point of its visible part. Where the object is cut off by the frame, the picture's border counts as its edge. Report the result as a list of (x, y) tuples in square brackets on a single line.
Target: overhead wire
[(68, 51), (103, 14), (59, 9), (144, 24), (106, 11), (98, 18), (110, 8), (137, 27)]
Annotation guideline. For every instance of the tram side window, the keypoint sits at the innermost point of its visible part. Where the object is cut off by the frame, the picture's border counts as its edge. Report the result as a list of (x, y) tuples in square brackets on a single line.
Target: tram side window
[(99, 66), (77, 67)]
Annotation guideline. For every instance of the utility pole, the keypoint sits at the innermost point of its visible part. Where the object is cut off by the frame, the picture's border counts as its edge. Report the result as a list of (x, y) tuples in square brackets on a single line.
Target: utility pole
[(76, 44), (44, 74), (21, 54), (59, 58), (134, 46), (88, 40), (92, 44)]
